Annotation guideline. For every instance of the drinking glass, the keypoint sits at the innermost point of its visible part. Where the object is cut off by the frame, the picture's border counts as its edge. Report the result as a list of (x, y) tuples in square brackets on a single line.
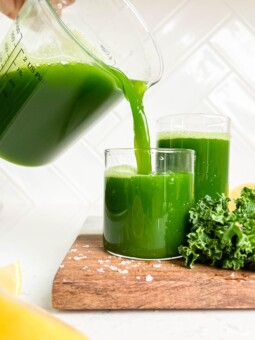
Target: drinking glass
[(146, 216), (209, 136)]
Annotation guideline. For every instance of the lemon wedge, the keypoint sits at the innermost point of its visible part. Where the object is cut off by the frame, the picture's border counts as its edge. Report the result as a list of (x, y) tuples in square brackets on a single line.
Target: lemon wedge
[(11, 278), (236, 192), (20, 320)]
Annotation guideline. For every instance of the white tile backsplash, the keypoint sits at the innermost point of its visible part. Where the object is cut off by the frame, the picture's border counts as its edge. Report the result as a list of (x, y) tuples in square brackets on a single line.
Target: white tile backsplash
[(121, 137), (234, 99), (242, 160), (189, 83), (244, 10), (9, 189), (156, 12), (41, 185), (188, 27), (236, 42), (102, 129), (82, 169), (208, 48)]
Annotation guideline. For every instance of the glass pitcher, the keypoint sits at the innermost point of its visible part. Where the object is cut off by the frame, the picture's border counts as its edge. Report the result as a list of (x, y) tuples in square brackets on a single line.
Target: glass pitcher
[(55, 73)]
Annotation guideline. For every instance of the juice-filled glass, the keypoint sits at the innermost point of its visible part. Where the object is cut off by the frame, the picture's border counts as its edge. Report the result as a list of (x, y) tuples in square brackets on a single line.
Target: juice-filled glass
[(209, 136), (146, 215)]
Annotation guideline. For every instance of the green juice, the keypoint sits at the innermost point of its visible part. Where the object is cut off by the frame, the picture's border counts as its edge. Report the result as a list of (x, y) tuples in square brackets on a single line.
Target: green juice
[(212, 158), (44, 108), (39, 117), (146, 216)]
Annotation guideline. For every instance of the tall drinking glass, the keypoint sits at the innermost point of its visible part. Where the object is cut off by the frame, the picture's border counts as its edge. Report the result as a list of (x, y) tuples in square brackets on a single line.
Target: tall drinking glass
[(209, 136), (146, 216)]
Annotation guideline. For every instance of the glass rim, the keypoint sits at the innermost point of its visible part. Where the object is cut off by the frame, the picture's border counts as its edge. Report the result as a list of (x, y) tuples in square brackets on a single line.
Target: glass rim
[(196, 114), (139, 19), (159, 150)]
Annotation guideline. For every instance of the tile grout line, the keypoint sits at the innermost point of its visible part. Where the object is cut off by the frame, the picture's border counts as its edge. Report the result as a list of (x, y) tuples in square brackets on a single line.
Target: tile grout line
[(234, 69), (238, 129), (213, 88), (213, 108), (197, 46), (18, 188), (166, 19), (55, 168), (241, 17), (69, 182), (115, 115), (97, 155)]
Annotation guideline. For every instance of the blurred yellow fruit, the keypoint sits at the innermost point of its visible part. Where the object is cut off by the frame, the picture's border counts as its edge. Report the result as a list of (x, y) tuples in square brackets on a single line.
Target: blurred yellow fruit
[(236, 192), (11, 278), (20, 321)]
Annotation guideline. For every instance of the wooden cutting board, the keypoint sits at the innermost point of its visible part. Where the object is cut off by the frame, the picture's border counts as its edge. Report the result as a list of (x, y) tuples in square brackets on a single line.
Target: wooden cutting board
[(89, 278)]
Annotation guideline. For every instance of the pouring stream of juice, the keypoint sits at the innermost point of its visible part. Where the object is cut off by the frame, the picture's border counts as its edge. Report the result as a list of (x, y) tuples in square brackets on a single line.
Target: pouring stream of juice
[(134, 92)]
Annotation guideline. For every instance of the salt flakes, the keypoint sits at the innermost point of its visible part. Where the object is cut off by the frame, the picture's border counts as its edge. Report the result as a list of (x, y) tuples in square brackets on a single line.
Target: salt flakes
[(78, 258), (100, 270), (157, 265), (135, 265), (86, 246), (149, 278), (126, 262), (103, 262), (74, 250), (116, 269), (123, 262)]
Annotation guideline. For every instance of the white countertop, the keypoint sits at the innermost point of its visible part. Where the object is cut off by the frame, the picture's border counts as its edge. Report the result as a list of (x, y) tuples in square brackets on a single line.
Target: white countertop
[(40, 237)]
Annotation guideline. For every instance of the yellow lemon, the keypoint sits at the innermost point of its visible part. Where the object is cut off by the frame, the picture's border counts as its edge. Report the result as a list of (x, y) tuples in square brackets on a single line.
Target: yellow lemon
[(20, 320), (236, 192), (11, 278)]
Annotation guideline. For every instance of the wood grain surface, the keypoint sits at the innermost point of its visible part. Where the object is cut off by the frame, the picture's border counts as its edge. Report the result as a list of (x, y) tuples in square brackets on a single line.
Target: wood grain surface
[(90, 279)]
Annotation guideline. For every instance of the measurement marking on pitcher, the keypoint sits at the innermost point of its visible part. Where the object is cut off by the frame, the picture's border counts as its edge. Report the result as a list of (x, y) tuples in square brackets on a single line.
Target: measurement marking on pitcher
[(14, 33), (13, 62), (10, 80)]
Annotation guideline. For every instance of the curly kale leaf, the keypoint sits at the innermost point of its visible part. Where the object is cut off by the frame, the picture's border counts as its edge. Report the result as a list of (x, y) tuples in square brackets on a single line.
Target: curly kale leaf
[(220, 237)]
